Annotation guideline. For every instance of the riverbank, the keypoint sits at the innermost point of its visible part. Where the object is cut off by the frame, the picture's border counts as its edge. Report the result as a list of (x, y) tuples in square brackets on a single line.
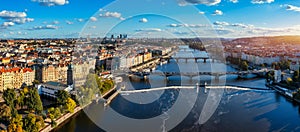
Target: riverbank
[(65, 117), (284, 91)]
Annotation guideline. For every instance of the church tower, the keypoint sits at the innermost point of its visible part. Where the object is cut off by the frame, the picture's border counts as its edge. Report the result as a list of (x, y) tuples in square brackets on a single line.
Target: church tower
[(70, 79)]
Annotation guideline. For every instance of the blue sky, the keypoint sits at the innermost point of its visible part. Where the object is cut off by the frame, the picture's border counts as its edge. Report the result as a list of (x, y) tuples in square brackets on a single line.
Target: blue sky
[(148, 18)]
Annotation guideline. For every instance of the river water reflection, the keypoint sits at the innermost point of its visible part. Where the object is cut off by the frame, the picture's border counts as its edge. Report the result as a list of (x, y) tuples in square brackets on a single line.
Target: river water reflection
[(238, 110)]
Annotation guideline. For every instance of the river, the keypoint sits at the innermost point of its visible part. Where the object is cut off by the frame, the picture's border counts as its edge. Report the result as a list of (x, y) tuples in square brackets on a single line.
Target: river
[(187, 110)]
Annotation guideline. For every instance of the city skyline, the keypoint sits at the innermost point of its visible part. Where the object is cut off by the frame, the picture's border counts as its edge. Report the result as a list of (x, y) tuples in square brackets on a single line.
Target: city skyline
[(169, 19)]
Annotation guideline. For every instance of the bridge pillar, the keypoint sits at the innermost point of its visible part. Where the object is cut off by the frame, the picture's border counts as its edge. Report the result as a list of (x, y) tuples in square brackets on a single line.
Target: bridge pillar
[(186, 60), (177, 60), (146, 77), (204, 60), (197, 87), (196, 60), (167, 78), (217, 77), (213, 60)]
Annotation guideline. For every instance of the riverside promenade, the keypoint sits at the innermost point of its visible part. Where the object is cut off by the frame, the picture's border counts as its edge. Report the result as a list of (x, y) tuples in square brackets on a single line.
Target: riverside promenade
[(48, 127)]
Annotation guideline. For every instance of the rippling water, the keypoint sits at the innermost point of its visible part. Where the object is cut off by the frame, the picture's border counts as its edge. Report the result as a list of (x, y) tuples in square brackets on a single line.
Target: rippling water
[(180, 110)]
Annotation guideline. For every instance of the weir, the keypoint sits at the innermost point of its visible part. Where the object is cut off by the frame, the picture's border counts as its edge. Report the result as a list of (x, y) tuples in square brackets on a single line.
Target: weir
[(197, 87)]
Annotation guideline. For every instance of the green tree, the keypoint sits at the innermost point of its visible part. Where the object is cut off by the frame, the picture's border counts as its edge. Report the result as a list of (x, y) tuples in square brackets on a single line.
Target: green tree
[(285, 64), (33, 101), (9, 96), (10, 99), (54, 113), (70, 105), (33, 123), (62, 97)]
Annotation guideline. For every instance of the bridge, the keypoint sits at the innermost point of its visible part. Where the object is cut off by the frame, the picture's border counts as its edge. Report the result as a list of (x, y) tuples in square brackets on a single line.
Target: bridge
[(194, 74), (186, 59)]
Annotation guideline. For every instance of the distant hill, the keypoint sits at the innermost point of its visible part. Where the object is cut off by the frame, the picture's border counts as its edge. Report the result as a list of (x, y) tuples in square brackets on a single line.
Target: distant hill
[(270, 40)]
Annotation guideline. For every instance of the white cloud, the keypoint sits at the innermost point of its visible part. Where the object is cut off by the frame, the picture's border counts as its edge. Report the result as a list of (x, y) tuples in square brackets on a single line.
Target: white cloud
[(195, 2), (93, 19), (69, 22), (149, 30), (234, 1), (261, 1), (44, 27), (51, 2), (55, 22), (217, 12), (187, 25), (21, 20), (122, 18), (201, 12), (143, 20), (111, 14), (80, 20), (15, 17), (8, 24), (293, 8), (221, 23), (12, 14)]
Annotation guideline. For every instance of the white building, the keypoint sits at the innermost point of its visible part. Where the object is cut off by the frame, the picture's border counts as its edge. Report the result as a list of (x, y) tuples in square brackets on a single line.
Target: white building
[(277, 75), (50, 88)]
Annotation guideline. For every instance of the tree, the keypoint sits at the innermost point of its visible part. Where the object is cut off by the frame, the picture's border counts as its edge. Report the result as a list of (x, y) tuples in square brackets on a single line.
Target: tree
[(296, 95), (33, 123), (285, 64), (244, 66), (70, 105), (62, 96), (296, 76), (15, 124), (54, 113), (10, 99), (33, 101), (289, 81), (9, 96), (5, 112), (36, 82)]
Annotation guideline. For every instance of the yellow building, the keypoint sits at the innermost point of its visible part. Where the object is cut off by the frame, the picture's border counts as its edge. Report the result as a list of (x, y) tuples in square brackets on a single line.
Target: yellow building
[(11, 78), (147, 56), (49, 73), (61, 73), (28, 76)]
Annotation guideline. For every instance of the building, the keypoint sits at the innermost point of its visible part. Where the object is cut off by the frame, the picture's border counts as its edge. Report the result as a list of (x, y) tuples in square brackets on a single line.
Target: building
[(294, 66), (70, 75), (50, 88), (14, 78)]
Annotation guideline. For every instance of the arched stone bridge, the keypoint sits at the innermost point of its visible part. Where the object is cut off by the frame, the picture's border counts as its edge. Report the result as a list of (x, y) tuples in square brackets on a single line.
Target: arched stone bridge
[(194, 74)]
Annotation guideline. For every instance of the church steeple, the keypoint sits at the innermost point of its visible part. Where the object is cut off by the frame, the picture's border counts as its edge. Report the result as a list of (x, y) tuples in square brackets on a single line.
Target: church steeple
[(70, 79)]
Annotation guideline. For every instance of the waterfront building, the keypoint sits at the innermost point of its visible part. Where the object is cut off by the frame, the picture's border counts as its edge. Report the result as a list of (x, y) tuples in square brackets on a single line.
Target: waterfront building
[(50, 88)]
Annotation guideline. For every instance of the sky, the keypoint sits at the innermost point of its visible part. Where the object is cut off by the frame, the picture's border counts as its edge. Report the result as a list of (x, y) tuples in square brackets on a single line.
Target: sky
[(148, 18)]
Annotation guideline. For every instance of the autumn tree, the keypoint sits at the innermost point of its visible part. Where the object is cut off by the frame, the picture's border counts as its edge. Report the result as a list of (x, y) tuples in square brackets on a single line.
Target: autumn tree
[(70, 105)]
